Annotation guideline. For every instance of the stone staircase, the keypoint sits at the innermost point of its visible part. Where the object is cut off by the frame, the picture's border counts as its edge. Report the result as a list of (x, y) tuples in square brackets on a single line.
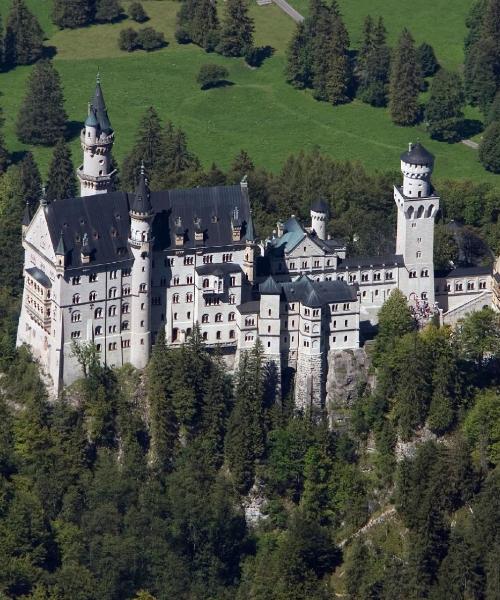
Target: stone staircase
[(454, 315)]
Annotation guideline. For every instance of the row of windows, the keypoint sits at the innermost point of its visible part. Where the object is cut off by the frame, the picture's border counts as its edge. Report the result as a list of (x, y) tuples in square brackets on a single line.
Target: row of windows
[(93, 277), (218, 317), (423, 273), (38, 288), (459, 286), (376, 276), (112, 293), (364, 293)]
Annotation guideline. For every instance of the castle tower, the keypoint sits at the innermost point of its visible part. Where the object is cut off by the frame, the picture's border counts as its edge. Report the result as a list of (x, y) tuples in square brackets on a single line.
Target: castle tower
[(417, 205), (319, 218), (97, 139), (141, 245)]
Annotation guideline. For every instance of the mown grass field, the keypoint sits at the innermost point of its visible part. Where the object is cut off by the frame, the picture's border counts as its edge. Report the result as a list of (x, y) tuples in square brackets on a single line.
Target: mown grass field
[(259, 113)]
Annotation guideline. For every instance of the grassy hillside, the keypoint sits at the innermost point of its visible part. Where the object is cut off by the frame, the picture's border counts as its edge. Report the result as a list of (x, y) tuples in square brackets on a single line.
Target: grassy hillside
[(437, 22), (259, 113)]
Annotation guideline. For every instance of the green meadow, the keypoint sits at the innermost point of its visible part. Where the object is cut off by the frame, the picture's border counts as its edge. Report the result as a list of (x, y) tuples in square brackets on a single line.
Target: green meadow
[(259, 112)]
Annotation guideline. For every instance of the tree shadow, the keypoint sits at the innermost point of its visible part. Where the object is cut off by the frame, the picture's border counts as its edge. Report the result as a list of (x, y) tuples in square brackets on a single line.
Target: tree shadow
[(256, 56), (17, 156), (219, 84), (49, 52), (73, 129), (470, 128)]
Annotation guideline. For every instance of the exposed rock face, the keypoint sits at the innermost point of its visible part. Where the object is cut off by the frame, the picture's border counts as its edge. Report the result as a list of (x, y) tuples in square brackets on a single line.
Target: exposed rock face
[(348, 371), (254, 504), (409, 449)]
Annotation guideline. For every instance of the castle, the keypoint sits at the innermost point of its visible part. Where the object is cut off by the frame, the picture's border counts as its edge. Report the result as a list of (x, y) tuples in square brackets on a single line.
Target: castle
[(116, 268)]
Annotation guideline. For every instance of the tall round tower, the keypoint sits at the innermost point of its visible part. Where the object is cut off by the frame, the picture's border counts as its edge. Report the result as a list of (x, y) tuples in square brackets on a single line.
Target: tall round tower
[(97, 137), (319, 218), (417, 165), (141, 246)]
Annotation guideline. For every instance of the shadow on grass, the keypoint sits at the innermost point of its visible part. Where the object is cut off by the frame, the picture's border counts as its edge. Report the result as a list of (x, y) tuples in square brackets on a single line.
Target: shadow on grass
[(219, 84), (470, 128), (49, 52), (73, 129), (17, 156)]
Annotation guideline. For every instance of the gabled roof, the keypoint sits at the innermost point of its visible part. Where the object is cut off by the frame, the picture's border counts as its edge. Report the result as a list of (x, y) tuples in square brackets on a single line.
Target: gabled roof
[(292, 236), (417, 155), (315, 294)]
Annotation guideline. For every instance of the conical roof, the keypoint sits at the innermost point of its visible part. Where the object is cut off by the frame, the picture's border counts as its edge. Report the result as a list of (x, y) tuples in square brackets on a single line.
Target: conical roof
[(99, 106), (250, 233), (417, 155), (142, 203), (270, 287), (61, 246), (27, 214), (320, 206)]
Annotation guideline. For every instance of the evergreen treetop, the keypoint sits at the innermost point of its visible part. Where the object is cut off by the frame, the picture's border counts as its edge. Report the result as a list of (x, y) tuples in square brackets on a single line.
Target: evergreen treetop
[(61, 180), (405, 80), (23, 42), (236, 34), (72, 13)]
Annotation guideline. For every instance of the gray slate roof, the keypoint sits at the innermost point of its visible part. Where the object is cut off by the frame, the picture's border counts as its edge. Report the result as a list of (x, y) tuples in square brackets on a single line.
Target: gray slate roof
[(218, 268), (98, 108), (320, 206), (385, 260), (310, 293), (40, 276), (105, 219), (471, 271)]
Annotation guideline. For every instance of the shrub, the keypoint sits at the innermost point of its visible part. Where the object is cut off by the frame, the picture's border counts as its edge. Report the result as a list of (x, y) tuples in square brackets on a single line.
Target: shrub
[(211, 76), (128, 40), (150, 39), (137, 12), (489, 148), (182, 36)]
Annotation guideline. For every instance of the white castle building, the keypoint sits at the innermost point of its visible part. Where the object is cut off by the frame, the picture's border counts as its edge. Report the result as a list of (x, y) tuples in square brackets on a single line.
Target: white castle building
[(116, 268)]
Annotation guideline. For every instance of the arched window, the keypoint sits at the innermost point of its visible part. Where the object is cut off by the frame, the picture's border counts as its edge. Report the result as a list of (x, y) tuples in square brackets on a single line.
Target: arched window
[(92, 296), (112, 311), (428, 212), (218, 318), (76, 298), (206, 282), (126, 290), (98, 330), (175, 298), (420, 211), (205, 336), (124, 325), (231, 334), (98, 313), (232, 299), (112, 292), (218, 335), (142, 287), (413, 274), (231, 317), (125, 308), (204, 318), (76, 317), (409, 212), (189, 297)]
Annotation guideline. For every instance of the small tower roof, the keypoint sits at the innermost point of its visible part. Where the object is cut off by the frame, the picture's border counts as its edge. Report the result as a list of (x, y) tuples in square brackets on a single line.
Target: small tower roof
[(91, 120), (320, 206), (27, 214), (61, 246), (270, 287), (142, 202), (99, 106), (417, 155)]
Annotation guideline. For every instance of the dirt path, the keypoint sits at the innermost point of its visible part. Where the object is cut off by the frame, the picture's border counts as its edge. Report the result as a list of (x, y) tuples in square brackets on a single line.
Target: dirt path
[(371, 523), (289, 10)]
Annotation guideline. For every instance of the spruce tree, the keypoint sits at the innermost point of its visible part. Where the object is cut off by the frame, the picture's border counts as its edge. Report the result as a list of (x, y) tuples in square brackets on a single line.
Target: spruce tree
[(61, 180), (107, 11), (23, 42), (236, 35), (367, 44), (4, 155), (30, 181), (298, 67), (204, 25), (444, 110), (148, 149), (481, 74), (374, 74), (489, 148), (72, 13), (404, 82), (494, 111), (241, 165), (42, 118)]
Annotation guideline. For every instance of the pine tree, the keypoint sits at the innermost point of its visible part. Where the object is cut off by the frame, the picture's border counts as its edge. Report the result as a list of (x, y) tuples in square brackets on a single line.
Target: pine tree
[(494, 111), (236, 35), (42, 118), (489, 148), (176, 162), (480, 74), (107, 11), (72, 13), (405, 82), (474, 23), (444, 110), (242, 165), (149, 149), (61, 180), (23, 41), (367, 44)]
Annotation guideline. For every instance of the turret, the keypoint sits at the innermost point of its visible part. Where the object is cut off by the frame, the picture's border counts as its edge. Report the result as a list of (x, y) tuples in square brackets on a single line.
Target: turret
[(141, 246), (417, 165), (61, 253), (319, 218), (97, 137)]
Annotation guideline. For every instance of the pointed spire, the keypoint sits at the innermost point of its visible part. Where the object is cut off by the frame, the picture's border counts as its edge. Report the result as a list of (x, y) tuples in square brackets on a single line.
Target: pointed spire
[(142, 202), (250, 233), (61, 246), (27, 214), (43, 199), (99, 106)]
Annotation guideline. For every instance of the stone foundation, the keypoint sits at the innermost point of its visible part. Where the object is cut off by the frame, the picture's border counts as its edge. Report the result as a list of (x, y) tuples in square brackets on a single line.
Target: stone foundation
[(310, 382)]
